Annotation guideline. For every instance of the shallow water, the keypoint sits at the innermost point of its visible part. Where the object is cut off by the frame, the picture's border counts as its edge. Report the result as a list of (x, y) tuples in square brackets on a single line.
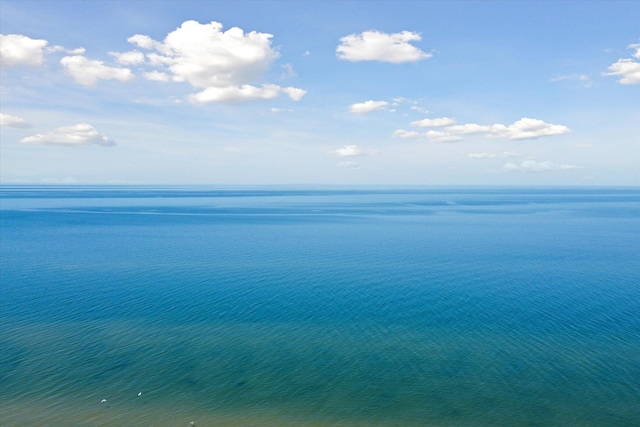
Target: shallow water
[(289, 306)]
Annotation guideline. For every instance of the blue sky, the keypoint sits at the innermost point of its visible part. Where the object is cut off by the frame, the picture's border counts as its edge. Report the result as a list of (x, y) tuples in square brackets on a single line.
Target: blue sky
[(262, 92)]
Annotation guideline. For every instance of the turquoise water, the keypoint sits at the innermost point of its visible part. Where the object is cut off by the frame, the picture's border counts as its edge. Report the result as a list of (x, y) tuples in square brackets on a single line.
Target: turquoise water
[(319, 307)]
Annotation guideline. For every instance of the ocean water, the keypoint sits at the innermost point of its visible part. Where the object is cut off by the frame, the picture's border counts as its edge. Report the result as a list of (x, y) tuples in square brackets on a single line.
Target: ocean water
[(153, 306)]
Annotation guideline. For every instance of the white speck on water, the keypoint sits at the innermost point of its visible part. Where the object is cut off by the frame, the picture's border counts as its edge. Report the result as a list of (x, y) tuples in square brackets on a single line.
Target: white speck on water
[(103, 401), (140, 394)]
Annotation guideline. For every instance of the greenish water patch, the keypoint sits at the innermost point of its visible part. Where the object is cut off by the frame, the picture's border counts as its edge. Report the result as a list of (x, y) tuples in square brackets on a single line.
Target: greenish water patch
[(323, 376)]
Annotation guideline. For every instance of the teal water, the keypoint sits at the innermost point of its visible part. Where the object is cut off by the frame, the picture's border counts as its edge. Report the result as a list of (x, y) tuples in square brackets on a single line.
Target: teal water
[(319, 307)]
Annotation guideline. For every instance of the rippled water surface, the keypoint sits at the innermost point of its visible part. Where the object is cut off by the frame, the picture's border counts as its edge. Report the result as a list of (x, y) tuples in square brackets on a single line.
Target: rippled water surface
[(319, 307)]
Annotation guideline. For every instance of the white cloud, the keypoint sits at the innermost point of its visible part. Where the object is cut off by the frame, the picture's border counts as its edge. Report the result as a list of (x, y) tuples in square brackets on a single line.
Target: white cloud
[(234, 94), (225, 64), (441, 136), (349, 151), (70, 136), (401, 133), (628, 68), (367, 106), (432, 123), (162, 61), (527, 128), (294, 93), (353, 151), (524, 128), (78, 51), (16, 49), (87, 72), (133, 57), (533, 166), (481, 155), (52, 49), (7, 120), (378, 46), (468, 128), (157, 76), (145, 42)]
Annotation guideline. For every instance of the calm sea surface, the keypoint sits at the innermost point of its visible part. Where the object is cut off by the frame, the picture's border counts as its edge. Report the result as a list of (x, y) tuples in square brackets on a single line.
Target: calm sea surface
[(149, 306)]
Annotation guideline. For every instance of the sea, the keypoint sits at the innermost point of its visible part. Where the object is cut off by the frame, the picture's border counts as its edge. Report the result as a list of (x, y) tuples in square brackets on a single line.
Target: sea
[(319, 306)]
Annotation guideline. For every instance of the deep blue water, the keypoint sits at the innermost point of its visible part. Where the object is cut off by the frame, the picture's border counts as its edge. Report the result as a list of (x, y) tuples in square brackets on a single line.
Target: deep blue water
[(292, 306)]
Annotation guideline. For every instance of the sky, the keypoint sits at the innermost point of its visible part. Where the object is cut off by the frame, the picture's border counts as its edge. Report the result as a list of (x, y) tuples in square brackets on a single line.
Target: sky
[(326, 92)]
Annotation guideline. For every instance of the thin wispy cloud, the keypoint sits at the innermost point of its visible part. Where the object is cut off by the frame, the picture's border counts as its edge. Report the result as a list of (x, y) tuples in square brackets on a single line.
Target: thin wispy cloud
[(583, 79), (535, 166)]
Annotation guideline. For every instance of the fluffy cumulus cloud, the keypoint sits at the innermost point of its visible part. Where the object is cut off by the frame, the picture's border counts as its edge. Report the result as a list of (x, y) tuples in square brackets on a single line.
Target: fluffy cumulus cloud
[(368, 107), (133, 57), (224, 64), (628, 69), (16, 49), (294, 93), (534, 166), (527, 128), (7, 120), (70, 136), (431, 123), (349, 151), (377, 46), (157, 76), (468, 128), (87, 72)]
